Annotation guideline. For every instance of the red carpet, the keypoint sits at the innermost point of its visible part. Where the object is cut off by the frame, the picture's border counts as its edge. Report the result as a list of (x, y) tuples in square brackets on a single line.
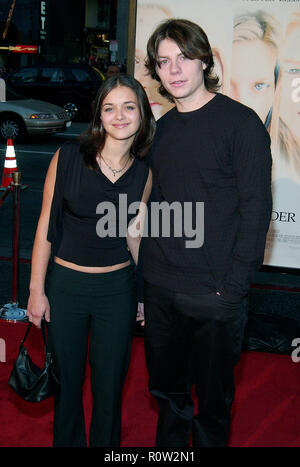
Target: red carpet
[(265, 413)]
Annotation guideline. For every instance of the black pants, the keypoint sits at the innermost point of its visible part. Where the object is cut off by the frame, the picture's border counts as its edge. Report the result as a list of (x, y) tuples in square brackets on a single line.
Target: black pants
[(192, 339), (102, 308)]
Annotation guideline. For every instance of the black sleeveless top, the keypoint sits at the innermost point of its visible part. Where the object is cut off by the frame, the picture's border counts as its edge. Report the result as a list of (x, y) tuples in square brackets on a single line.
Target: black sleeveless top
[(81, 230)]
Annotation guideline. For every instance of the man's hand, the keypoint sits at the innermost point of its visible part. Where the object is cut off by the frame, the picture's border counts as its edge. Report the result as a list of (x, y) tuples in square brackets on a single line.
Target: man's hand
[(140, 314)]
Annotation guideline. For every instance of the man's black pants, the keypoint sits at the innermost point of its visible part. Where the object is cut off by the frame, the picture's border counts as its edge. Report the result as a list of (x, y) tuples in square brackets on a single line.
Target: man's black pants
[(192, 339)]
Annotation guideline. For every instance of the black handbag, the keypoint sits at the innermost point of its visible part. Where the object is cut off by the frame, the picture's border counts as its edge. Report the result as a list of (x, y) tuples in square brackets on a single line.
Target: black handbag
[(28, 380)]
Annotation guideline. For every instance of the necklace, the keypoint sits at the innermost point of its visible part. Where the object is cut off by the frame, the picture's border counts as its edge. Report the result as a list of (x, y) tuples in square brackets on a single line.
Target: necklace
[(115, 171)]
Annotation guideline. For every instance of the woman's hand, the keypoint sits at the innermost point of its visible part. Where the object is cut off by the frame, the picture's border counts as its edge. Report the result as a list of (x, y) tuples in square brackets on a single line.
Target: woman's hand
[(37, 308)]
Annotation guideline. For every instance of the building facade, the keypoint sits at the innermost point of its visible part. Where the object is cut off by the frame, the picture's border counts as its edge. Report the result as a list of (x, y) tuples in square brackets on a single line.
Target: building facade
[(68, 31)]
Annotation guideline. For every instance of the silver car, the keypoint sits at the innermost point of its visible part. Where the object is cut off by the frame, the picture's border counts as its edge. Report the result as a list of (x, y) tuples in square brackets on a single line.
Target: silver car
[(20, 117)]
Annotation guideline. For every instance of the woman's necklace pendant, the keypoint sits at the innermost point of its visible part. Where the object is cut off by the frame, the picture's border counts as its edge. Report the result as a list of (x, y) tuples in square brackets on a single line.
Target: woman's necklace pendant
[(114, 171)]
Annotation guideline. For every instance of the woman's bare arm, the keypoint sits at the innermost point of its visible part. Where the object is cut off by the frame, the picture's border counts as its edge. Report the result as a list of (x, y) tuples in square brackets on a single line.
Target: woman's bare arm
[(38, 305)]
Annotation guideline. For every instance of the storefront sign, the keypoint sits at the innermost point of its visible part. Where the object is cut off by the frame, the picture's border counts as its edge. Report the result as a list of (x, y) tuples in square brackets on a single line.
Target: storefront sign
[(43, 11)]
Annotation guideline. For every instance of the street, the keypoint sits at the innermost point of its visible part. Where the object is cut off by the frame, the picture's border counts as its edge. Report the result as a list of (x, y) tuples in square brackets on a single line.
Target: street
[(33, 158)]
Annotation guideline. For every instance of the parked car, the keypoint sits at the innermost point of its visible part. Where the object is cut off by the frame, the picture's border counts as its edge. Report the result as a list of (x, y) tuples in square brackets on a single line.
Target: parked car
[(20, 117), (73, 87)]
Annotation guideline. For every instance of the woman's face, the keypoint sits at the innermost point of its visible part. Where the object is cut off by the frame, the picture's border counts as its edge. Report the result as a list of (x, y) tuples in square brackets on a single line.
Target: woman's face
[(148, 19), (120, 114), (290, 89), (252, 75)]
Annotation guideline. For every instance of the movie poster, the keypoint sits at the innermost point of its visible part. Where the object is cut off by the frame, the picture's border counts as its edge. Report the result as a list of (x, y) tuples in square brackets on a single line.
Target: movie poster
[(256, 46)]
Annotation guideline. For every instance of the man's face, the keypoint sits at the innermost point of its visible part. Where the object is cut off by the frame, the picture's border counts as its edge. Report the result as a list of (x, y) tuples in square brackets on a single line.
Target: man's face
[(182, 77)]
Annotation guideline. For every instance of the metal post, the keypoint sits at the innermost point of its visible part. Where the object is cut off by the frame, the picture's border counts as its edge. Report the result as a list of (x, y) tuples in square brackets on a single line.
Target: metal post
[(11, 311), (16, 224)]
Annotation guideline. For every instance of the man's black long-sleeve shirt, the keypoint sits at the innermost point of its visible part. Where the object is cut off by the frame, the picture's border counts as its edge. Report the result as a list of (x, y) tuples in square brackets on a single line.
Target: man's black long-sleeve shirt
[(220, 155)]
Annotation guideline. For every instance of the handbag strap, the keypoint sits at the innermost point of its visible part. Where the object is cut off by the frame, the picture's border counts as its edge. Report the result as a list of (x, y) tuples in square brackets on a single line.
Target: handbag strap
[(43, 329), (43, 326), (26, 334)]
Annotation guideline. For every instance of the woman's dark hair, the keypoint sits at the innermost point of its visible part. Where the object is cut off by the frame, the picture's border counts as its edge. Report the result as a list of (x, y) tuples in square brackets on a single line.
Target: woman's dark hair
[(193, 43), (93, 140)]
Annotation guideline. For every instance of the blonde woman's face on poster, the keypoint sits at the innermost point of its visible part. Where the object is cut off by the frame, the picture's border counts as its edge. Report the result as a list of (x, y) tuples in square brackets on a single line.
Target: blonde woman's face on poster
[(290, 90), (252, 75), (148, 19)]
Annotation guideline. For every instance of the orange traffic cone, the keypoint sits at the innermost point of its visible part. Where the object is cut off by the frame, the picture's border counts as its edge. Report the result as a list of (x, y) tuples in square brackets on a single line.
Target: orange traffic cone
[(10, 164)]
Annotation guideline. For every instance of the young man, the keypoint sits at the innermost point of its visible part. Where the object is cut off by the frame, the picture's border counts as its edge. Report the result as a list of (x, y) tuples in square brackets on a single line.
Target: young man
[(209, 149)]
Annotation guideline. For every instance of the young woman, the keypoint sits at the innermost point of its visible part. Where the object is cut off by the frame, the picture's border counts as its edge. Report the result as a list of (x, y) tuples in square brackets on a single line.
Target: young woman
[(90, 291)]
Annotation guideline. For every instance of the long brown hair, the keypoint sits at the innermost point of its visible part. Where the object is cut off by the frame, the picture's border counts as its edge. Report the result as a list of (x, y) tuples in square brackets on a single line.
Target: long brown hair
[(193, 43), (93, 140)]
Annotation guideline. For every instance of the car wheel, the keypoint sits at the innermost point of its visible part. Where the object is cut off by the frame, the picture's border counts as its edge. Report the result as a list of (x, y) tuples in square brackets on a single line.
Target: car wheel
[(72, 109), (12, 127)]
